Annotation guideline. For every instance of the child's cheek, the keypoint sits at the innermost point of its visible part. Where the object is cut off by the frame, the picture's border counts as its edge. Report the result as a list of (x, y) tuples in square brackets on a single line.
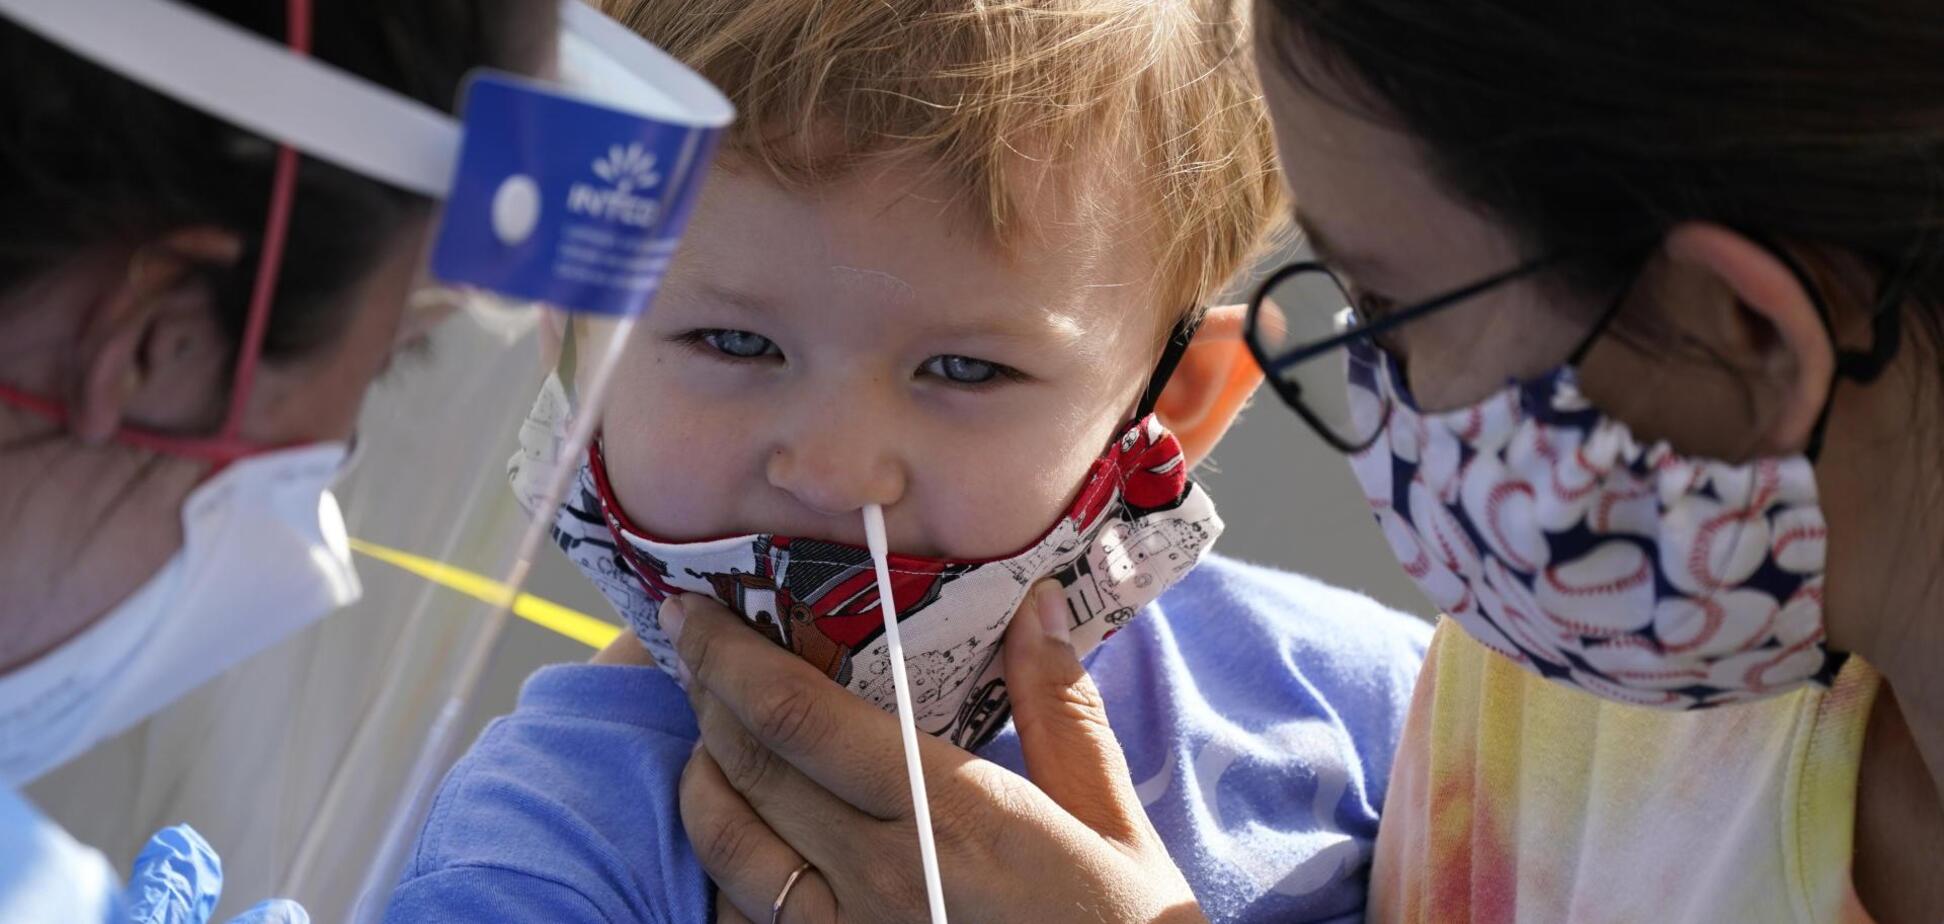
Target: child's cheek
[(1004, 497), (679, 456)]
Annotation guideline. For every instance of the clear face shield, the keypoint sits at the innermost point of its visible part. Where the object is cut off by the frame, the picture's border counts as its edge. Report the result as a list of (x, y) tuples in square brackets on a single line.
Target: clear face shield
[(307, 764)]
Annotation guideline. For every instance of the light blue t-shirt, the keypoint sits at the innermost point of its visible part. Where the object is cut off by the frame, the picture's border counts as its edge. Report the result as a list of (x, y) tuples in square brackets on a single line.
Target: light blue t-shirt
[(1258, 711)]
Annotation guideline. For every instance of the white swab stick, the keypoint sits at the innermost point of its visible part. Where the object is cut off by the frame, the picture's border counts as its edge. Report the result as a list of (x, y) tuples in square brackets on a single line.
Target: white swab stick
[(907, 725)]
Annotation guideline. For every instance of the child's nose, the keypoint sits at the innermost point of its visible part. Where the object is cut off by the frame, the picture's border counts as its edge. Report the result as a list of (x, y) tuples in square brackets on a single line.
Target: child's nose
[(837, 471)]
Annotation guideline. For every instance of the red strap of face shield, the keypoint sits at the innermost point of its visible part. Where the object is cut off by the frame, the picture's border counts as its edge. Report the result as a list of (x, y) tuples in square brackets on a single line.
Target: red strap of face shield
[(227, 445)]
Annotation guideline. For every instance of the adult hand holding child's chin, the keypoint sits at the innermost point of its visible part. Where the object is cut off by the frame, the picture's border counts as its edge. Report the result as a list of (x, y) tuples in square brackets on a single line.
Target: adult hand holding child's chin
[(793, 768)]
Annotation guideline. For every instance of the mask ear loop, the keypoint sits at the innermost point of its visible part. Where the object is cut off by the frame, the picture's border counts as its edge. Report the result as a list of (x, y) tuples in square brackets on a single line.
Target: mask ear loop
[(1164, 369), (227, 446), (1179, 339), (566, 364), (1861, 367)]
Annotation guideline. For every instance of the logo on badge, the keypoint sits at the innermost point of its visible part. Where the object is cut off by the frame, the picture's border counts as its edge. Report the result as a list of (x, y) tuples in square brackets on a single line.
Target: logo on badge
[(629, 168), (624, 171)]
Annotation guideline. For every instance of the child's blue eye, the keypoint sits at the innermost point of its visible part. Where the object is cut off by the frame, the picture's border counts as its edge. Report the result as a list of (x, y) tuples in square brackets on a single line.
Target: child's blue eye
[(964, 370), (740, 344)]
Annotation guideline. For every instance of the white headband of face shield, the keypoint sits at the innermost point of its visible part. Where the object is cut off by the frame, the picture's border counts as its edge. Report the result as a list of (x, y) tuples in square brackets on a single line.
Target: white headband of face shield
[(200, 60)]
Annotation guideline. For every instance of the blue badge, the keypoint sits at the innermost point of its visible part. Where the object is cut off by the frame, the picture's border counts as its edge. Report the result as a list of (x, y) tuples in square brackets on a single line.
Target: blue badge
[(567, 202)]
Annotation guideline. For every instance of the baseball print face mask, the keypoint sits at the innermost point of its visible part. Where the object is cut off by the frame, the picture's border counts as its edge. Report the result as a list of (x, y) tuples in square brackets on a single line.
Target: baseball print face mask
[(1137, 525), (1562, 542)]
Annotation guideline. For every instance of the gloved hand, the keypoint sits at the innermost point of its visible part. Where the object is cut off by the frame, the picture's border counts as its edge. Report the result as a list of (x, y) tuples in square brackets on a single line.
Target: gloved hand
[(178, 878)]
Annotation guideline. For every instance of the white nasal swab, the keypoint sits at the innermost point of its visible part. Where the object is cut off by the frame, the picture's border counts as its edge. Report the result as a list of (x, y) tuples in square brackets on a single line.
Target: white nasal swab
[(901, 685)]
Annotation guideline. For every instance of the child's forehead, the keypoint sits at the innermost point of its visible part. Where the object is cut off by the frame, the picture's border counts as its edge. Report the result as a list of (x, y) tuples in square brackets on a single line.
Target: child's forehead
[(873, 282), (907, 235)]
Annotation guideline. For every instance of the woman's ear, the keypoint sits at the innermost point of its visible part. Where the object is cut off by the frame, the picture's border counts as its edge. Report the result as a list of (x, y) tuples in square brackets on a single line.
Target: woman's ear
[(152, 348), (1211, 386), (1775, 324)]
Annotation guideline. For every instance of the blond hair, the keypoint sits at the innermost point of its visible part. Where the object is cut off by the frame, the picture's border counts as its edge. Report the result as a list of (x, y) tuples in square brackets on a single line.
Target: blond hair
[(992, 92)]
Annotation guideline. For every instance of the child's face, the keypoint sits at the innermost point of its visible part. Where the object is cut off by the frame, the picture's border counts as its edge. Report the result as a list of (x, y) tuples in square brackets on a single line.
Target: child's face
[(862, 343)]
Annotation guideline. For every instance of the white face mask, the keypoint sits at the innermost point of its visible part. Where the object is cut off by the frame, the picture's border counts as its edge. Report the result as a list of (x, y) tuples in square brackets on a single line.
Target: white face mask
[(264, 554)]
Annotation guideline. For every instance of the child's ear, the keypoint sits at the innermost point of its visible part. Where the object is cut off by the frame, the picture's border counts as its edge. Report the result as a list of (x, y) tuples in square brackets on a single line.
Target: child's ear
[(1211, 386)]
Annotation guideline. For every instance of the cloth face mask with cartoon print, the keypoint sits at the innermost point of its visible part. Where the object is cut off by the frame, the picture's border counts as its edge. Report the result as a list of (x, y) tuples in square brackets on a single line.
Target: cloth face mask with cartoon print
[(1137, 526), (1555, 538)]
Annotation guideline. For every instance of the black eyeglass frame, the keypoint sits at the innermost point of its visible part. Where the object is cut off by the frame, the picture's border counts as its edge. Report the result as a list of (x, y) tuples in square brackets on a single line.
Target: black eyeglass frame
[(1291, 393), (1860, 366)]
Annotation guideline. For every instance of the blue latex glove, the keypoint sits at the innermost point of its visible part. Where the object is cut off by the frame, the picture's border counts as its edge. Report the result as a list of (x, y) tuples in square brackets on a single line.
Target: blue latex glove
[(178, 878)]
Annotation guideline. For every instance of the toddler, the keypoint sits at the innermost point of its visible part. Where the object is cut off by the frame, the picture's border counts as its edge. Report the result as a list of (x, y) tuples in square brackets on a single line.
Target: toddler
[(948, 263)]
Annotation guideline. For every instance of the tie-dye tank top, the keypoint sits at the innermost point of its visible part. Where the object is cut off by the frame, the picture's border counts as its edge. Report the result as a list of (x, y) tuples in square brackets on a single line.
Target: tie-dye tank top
[(1518, 800)]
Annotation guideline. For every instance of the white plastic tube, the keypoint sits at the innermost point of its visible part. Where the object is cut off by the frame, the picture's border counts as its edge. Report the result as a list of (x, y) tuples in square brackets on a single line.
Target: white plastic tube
[(907, 724)]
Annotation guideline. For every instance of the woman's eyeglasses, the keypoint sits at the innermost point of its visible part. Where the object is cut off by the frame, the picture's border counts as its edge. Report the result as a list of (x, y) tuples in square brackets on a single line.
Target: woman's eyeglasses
[(1299, 319)]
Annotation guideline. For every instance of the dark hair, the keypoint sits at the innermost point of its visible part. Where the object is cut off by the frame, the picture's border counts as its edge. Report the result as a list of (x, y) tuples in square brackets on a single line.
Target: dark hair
[(1588, 127), (89, 158)]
